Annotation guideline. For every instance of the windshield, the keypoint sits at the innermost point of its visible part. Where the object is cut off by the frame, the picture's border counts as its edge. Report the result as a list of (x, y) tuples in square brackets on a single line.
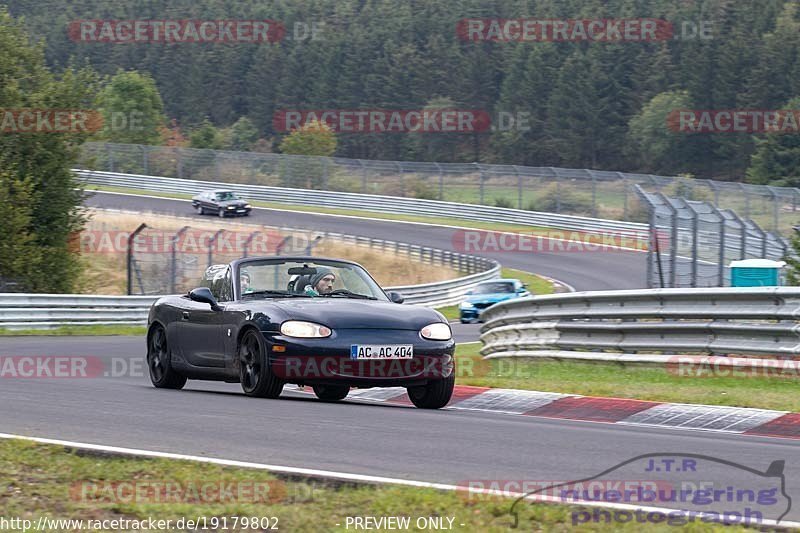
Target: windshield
[(312, 278), (227, 195), (494, 288)]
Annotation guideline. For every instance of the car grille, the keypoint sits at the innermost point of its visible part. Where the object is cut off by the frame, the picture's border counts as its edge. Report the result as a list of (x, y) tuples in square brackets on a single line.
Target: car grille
[(483, 305)]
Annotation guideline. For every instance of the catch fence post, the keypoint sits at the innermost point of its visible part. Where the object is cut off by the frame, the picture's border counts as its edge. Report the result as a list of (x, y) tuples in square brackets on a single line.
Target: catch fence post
[(131, 238), (173, 264), (211, 242)]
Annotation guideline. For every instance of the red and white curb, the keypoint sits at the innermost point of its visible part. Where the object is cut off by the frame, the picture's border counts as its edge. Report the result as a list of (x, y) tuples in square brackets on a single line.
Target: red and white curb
[(737, 420)]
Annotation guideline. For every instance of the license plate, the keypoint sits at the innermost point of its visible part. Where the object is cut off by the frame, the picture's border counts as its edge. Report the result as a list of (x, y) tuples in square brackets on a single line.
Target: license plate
[(381, 351)]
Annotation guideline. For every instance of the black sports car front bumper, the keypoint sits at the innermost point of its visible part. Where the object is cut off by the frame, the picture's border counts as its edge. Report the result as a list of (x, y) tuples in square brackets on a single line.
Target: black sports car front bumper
[(329, 361)]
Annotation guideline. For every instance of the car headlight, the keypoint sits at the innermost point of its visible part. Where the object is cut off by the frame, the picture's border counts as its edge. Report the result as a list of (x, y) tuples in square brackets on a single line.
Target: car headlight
[(247, 206), (231, 207), (466, 305), (436, 332), (304, 330)]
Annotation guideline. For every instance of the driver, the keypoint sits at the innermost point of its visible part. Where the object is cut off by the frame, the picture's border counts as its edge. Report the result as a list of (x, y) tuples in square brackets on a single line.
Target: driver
[(321, 282)]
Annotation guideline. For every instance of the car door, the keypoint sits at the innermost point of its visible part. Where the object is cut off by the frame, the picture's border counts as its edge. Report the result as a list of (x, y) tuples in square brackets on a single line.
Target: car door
[(218, 204), (200, 330), (202, 200), (211, 202)]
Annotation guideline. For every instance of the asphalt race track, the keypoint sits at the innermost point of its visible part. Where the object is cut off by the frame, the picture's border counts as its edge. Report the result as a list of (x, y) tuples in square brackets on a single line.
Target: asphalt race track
[(214, 419)]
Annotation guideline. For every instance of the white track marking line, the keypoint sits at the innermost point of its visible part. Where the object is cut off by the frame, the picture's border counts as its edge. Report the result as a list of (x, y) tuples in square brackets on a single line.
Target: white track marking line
[(354, 477)]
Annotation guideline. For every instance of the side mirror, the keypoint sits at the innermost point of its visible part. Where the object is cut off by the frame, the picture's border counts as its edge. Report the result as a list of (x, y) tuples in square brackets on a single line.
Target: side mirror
[(395, 297), (203, 295)]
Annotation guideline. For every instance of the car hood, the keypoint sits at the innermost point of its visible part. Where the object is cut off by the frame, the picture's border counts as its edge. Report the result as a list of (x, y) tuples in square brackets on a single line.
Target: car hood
[(490, 298), (342, 313)]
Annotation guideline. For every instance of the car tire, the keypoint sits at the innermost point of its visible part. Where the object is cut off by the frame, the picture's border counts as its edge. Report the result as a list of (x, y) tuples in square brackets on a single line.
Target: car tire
[(221, 213), (201, 210), (162, 375), (255, 376), (463, 321), (331, 393), (434, 395)]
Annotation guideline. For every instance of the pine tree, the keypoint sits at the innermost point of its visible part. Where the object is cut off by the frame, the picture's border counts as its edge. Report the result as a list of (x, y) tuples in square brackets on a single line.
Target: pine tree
[(776, 160), (42, 198)]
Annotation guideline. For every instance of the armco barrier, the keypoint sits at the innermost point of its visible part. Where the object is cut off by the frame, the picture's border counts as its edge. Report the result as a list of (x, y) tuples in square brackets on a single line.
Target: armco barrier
[(607, 324), (384, 204), (42, 311)]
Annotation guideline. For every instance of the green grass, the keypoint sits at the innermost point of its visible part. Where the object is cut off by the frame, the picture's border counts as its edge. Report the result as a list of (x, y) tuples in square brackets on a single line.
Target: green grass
[(450, 312), (536, 284), (46, 480), (77, 330), (641, 382), (607, 196)]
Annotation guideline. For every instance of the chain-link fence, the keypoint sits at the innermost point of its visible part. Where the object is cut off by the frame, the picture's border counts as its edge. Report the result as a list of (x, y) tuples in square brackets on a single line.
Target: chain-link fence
[(173, 261), (170, 262), (602, 194), (693, 242)]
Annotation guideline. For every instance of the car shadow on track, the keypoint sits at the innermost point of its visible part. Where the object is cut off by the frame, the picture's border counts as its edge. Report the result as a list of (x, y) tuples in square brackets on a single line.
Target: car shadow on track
[(295, 396)]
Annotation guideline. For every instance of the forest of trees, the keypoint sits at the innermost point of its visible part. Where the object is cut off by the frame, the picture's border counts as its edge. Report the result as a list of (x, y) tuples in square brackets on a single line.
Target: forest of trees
[(591, 104)]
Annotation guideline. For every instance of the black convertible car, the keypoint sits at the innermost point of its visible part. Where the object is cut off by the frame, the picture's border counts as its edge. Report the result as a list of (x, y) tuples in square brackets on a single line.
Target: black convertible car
[(264, 322), (221, 202)]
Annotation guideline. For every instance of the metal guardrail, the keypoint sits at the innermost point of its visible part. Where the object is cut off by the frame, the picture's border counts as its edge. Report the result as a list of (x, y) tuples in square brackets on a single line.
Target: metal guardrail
[(42, 311), (385, 204), (760, 321)]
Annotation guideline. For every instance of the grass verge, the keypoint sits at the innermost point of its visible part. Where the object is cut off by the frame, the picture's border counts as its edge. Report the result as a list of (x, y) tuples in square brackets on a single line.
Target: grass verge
[(536, 284), (77, 330), (625, 381), (52, 481)]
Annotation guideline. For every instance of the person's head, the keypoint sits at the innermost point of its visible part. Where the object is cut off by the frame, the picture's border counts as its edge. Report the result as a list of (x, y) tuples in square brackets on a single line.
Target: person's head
[(323, 280), (244, 280)]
